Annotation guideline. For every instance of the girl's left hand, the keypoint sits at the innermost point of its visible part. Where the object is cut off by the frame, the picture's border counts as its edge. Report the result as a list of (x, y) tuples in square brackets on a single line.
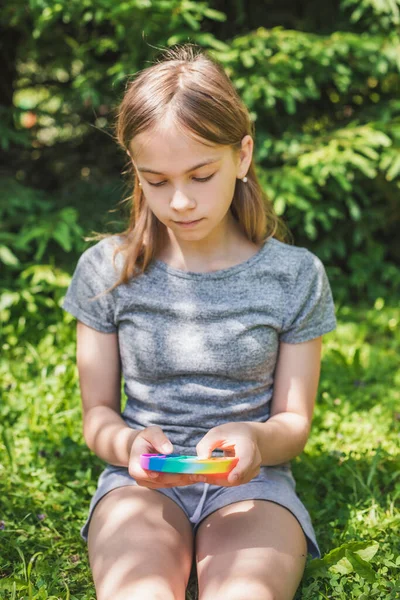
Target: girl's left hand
[(235, 439)]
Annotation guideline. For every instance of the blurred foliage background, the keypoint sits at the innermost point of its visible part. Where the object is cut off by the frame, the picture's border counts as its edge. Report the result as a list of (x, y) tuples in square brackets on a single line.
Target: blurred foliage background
[(321, 81)]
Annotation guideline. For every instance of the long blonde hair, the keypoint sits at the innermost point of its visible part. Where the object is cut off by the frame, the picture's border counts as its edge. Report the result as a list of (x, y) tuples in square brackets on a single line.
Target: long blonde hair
[(203, 101)]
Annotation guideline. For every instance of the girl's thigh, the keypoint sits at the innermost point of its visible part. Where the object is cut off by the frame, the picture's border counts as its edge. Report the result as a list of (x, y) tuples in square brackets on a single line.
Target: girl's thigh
[(250, 549), (140, 545)]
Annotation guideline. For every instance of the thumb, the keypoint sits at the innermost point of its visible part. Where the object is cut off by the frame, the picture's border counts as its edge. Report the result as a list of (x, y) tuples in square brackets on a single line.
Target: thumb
[(159, 441), (205, 447)]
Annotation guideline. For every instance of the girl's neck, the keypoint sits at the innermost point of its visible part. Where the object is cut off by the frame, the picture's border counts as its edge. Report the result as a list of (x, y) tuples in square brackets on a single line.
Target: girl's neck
[(233, 249)]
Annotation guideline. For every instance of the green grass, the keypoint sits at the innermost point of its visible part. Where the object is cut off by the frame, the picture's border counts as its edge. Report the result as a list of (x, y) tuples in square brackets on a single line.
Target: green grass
[(348, 475)]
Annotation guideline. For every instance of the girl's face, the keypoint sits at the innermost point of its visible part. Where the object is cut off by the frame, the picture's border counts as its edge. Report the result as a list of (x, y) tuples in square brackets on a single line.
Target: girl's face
[(187, 179)]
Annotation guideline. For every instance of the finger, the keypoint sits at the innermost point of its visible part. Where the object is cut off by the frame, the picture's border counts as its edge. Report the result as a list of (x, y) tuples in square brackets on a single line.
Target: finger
[(175, 478), (245, 452), (234, 477), (158, 439), (245, 477), (208, 443), (153, 486), (229, 453), (197, 478), (155, 482), (137, 472), (161, 482), (220, 482), (217, 479), (170, 479), (151, 440), (165, 477)]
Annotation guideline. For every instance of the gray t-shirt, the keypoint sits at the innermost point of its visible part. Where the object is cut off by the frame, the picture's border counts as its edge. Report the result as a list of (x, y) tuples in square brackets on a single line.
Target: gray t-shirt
[(200, 349)]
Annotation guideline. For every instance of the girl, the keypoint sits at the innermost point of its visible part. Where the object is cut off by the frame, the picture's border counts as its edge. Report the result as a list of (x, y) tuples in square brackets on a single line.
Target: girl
[(215, 324)]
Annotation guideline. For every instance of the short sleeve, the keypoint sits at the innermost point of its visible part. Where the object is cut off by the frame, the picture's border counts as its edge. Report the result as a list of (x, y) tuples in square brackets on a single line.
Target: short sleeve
[(310, 307), (93, 274)]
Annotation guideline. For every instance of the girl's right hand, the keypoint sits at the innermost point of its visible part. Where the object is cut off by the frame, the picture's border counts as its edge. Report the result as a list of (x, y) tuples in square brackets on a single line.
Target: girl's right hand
[(152, 440)]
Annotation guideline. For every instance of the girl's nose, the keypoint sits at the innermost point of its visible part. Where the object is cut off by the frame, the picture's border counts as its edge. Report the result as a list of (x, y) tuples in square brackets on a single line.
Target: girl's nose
[(181, 201)]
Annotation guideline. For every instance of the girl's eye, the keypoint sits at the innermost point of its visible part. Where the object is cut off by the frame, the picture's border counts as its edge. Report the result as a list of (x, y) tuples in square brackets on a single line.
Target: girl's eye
[(201, 180)]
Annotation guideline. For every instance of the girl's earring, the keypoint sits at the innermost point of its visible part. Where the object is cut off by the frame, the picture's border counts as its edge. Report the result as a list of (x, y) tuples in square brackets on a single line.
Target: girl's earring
[(244, 179)]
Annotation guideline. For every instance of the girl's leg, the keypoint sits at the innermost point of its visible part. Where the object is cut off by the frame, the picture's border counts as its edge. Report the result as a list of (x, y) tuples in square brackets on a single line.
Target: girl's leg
[(140, 545), (250, 549)]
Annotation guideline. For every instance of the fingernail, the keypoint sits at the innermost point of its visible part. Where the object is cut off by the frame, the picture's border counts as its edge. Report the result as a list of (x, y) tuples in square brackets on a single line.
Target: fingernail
[(166, 447), (153, 475)]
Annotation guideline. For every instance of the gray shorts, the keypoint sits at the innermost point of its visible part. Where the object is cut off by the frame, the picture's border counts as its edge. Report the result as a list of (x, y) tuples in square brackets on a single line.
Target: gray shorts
[(199, 500)]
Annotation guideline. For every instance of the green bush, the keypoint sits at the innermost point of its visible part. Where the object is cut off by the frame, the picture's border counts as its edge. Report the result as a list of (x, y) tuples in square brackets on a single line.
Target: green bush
[(322, 88)]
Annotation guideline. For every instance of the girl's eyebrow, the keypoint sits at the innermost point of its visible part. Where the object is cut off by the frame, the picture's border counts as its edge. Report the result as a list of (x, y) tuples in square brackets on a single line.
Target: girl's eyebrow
[(202, 164)]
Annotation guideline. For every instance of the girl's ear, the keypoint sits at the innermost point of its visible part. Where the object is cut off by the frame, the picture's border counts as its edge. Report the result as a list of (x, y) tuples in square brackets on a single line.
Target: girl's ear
[(246, 152)]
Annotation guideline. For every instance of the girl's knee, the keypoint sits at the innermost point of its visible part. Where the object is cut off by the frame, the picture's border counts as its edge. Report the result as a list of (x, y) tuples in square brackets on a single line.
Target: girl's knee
[(136, 557), (139, 591), (235, 590)]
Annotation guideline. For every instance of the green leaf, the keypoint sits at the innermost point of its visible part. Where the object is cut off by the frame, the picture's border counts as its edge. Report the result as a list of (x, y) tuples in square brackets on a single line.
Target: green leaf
[(216, 15), (41, 249), (207, 39), (344, 183), (62, 235), (39, 232), (369, 552), (290, 104), (247, 59), (394, 170), (6, 584), (280, 205), (343, 566), (319, 566), (6, 442), (191, 21), (354, 209), (7, 257), (361, 566), (364, 165), (8, 299), (30, 565)]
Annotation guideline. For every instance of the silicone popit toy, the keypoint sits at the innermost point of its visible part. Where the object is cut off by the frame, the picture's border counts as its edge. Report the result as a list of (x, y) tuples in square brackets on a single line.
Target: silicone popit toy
[(176, 463)]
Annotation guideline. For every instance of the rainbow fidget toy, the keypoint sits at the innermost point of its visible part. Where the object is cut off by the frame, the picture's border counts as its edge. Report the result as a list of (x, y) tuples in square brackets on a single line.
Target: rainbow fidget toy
[(176, 463)]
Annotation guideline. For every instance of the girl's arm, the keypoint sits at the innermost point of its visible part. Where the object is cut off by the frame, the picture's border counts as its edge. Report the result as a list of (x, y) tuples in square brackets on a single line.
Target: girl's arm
[(104, 430), (284, 435)]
